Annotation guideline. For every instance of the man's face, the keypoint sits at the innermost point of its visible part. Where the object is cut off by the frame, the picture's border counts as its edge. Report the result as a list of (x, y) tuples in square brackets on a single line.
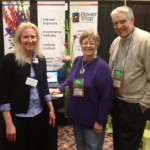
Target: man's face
[(122, 25)]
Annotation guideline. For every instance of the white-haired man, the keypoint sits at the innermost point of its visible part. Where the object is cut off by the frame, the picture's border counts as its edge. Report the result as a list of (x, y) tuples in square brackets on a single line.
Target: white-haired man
[(130, 64)]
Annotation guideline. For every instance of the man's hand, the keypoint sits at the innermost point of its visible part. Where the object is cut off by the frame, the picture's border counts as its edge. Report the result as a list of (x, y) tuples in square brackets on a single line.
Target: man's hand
[(143, 108)]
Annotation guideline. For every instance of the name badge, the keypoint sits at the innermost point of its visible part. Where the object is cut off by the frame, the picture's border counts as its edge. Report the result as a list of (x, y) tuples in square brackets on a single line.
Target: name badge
[(116, 83), (31, 82), (35, 60), (118, 78), (78, 87), (118, 74)]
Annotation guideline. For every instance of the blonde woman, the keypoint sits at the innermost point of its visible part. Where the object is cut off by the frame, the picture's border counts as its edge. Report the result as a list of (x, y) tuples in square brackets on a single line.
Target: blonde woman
[(25, 102)]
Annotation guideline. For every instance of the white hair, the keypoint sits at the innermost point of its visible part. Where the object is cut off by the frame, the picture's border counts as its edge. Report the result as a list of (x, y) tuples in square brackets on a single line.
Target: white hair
[(125, 10)]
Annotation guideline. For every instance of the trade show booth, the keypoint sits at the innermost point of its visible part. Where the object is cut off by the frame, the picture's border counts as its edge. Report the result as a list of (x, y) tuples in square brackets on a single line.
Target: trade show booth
[(52, 28)]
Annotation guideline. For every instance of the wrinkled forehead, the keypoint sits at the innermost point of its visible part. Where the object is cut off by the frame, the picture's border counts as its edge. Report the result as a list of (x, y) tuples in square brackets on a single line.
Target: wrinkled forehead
[(119, 17)]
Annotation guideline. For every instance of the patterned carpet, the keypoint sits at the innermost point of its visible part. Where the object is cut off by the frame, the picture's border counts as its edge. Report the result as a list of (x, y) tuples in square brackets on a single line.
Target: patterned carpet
[(66, 139), (65, 134)]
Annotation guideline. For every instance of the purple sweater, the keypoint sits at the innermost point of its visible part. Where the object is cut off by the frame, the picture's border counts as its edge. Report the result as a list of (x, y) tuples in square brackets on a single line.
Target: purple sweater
[(98, 94)]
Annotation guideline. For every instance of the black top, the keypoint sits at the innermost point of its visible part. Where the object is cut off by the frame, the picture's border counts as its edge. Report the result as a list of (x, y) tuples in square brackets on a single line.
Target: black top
[(13, 89)]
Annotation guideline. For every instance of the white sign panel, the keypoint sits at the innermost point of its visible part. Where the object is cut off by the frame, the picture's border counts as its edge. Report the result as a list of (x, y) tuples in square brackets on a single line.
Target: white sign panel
[(51, 18), (83, 15)]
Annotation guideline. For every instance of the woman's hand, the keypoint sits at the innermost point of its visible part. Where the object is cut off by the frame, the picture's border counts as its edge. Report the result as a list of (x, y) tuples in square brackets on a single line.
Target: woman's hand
[(11, 133), (55, 91), (98, 128), (52, 118), (10, 127)]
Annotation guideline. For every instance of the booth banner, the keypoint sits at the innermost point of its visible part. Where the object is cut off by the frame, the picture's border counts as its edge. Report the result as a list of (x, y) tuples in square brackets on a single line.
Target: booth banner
[(14, 12), (83, 15), (51, 18)]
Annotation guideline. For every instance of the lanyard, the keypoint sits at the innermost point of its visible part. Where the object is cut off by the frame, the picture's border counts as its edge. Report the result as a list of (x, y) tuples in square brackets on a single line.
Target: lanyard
[(126, 54)]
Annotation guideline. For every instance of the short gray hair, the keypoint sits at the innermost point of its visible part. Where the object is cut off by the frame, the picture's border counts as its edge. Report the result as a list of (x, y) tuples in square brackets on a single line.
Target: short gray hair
[(123, 9), (90, 33)]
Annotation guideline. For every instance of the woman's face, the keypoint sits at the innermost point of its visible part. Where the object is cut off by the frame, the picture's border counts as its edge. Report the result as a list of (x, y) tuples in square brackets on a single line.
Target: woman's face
[(89, 47), (28, 40)]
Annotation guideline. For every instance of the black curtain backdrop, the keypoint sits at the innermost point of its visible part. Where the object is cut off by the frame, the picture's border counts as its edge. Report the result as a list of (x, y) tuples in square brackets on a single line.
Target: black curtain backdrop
[(105, 28)]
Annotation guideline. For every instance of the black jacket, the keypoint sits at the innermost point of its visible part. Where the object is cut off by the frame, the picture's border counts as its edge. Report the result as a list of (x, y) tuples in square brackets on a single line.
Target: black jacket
[(13, 89)]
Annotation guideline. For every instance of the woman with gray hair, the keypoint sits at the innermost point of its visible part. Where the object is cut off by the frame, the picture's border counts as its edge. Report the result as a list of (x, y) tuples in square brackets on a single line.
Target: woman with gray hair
[(90, 94)]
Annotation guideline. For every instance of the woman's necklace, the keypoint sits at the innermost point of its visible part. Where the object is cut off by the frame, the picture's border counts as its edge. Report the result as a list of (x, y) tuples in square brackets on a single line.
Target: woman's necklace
[(82, 70)]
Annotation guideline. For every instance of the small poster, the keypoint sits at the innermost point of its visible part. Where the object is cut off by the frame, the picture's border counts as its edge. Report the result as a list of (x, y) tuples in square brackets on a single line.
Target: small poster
[(14, 12), (82, 15)]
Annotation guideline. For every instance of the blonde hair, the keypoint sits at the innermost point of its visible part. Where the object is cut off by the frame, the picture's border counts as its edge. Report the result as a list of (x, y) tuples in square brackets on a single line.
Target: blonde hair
[(19, 51), (92, 34)]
